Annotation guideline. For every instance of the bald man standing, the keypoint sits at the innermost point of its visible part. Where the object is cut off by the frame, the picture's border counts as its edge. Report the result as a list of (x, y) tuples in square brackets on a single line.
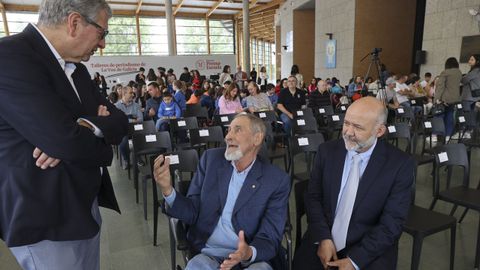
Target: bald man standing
[(358, 196)]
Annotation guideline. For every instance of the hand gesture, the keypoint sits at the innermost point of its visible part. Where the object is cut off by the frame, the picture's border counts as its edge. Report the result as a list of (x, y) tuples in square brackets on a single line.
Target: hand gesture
[(326, 252), (43, 160), (243, 253), (343, 264), (103, 111), (161, 172), (151, 112)]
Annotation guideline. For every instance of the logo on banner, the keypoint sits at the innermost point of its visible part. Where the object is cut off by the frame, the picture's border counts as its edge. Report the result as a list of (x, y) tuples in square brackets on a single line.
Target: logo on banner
[(200, 64)]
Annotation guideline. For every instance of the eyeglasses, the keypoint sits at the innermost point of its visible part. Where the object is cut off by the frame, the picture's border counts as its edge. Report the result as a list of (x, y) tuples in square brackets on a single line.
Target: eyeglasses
[(89, 21)]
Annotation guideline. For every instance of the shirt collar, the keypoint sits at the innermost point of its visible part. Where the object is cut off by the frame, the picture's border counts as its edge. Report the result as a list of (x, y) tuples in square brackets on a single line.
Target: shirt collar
[(246, 171), (54, 51)]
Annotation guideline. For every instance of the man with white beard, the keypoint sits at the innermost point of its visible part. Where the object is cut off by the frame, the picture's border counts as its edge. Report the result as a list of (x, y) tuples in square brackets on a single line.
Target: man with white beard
[(358, 196), (236, 205)]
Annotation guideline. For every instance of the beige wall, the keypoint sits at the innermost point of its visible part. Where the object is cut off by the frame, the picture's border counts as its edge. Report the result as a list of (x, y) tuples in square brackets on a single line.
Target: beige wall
[(386, 24), (304, 42), (446, 22)]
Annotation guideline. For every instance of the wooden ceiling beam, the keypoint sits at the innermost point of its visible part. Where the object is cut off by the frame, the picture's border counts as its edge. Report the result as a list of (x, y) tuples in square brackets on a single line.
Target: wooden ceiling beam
[(15, 7), (212, 9), (271, 5), (150, 13), (138, 7), (179, 5)]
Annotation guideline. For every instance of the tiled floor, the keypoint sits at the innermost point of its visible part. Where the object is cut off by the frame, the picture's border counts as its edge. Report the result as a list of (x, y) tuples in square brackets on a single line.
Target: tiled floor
[(127, 239)]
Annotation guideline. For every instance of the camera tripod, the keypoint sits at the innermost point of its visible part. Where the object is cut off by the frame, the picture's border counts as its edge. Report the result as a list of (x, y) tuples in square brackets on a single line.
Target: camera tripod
[(375, 61)]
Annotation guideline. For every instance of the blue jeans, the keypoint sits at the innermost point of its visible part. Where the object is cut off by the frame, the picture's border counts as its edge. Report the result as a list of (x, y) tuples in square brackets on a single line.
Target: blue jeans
[(287, 124), (124, 148), (162, 125), (204, 262), (448, 120)]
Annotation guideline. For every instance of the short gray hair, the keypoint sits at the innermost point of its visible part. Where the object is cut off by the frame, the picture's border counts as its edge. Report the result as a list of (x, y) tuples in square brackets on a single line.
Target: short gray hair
[(256, 124), (55, 12), (382, 116)]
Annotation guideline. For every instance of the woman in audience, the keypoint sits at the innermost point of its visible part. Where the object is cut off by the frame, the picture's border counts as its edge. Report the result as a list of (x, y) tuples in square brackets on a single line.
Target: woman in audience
[(447, 92), (196, 80), (195, 97), (282, 84), (225, 76), (229, 102), (257, 101), (295, 71), (336, 87), (179, 88), (208, 101), (470, 82), (263, 79), (151, 76), (312, 87)]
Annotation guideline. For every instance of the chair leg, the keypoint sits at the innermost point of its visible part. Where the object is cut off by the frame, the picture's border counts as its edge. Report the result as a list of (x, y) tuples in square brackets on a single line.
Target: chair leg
[(433, 204), (173, 255), (453, 231), (144, 193), (128, 167), (478, 248), (416, 251), (463, 215), (155, 222), (454, 208)]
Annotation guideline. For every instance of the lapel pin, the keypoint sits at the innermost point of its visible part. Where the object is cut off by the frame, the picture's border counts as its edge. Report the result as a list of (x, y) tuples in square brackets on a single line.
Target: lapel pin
[(253, 186)]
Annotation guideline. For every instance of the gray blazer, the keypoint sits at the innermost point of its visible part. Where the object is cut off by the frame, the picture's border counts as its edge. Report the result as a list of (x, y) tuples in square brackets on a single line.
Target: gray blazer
[(447, 88), (469, 81)]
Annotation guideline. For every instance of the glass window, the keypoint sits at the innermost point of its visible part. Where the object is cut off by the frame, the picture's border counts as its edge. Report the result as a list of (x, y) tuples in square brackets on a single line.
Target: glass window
[(153, 36), (2, 31), (221, 37), (122, 39), (261, 47), (253, 53), (191, 36), (17, 21)]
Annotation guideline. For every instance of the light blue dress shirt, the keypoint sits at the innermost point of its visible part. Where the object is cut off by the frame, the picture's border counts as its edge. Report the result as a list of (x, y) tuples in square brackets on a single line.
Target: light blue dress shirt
[(224, 239), (365, 157)]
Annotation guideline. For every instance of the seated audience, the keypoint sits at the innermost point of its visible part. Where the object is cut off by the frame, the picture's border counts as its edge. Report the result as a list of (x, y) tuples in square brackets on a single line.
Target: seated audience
[(271, 95), (291, 99), (229, 102), (236, 206), (179, 88), (152, 104), (320, 97), (257, 101), (168, 109)]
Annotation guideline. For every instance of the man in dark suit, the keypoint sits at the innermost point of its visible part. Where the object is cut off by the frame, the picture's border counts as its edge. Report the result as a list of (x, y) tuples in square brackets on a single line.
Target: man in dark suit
[(358, 196), (236, 204), (56, 133)]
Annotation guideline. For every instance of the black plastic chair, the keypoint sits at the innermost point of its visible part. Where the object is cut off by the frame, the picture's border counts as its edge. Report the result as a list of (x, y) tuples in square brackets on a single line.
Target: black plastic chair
[(300, 188), (450, 156), (138, 128), (304, 125), (198, 111), (302, 113), (205, 138), (146, 145), (273, 152), (181, 125), (306, 144)]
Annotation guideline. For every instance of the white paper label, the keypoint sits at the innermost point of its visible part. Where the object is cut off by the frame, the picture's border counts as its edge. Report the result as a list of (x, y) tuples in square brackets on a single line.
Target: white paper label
[(343, 108), (138, 127), (204, 132), (224, 119), (335, 118), (428, 124), (300, 113), (443, 157), (301, 122), (302, 141), (151, 138), (392, 129), (413, 102), (461, 119), (400, 110), (173, 159), (321, 110), (459, 106), (262, 115), (182, 123)]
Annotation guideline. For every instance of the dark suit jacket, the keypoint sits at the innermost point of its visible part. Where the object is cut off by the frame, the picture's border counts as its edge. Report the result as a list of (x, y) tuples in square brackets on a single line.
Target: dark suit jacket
[(39, 108), (381, 204), (260, 210)]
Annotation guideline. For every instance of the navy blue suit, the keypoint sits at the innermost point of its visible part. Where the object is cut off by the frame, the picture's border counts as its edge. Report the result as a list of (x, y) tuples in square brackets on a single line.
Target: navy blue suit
[(260, 210), (39, 108), (380, 209)]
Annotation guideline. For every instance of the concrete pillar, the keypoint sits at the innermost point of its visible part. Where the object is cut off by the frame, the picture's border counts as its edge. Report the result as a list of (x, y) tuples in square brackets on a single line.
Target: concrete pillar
[(170, 25), (246, 37)]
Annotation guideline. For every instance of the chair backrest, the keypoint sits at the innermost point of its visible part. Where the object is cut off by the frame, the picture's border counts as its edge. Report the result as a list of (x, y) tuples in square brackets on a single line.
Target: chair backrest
[(145, 127), (267, 116), (305, 143), (342, 108), (306, 124), (403, 114), (223, 119), (335, 121), (451, 155), (183, 123), (151, 143), (400, 131), (196, 111), (207, 135), (307, 112), (325, 110)]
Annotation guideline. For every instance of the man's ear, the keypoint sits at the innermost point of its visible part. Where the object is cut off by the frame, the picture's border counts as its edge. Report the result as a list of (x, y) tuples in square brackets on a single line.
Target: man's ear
[(73, 22), (257, 139), (381, 129)]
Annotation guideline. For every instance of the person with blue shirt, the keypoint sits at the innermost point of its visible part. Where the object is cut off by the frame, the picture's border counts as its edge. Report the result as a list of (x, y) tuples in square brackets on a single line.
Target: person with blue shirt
[(236, 206), (179, 87), (168, 110)]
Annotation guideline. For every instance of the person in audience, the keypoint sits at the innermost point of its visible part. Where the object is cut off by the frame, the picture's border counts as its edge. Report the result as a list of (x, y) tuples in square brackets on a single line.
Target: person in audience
[(404, 93), (219, 90), (243, 95), (388, 95), (336, 87), (196, 80), (134, 114), (152, 104), (113, 97), (229, 102), (140, 77), (356, 87), (257, 101), (57, 133), (240, 77), (188, 91), (162, 75), (225, 76), (426, 81), (208, 100), (271, 95), (471, 81), (290, 100), (447, 92), (295, 71), (185, 76), (171, 75), (253, 75), (384, 73), (358, 196), (179, 88), (263, 79), (236, 206), (168, 109), (319, 98), (139, 95), (195, 98), (151, 76), (312, 87)]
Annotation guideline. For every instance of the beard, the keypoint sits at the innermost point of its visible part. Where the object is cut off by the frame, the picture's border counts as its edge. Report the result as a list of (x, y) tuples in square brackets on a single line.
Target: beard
[(354, 145), (233, 155)]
